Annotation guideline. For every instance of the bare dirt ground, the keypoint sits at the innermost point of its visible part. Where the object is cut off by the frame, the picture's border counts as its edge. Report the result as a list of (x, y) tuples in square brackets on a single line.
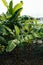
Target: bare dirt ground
[(21, 56)]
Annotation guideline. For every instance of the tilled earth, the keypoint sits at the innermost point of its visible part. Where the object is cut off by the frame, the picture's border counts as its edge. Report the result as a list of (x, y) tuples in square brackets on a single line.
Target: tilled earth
[(22, 56)]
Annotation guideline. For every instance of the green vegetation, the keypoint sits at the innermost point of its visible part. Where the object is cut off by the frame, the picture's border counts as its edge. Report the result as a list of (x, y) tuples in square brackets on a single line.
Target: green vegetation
[(16, 29)]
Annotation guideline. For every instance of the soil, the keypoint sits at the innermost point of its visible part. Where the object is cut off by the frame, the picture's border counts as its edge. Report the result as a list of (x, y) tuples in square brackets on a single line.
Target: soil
[(22, 56)]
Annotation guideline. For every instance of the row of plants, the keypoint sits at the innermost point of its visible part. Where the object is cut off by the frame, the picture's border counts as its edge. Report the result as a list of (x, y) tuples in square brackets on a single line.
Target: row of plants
[(16, 29)]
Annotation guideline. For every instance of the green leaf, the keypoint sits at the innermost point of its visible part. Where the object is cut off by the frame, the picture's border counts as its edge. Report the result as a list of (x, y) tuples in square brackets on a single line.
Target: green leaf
[(9, 30), (3, 17), (30, 37), (2, 40), (11, 45), (10, 9), (15, 15), (5, 3), (18, 6), (2, 30), (36, 35), (17, 30)]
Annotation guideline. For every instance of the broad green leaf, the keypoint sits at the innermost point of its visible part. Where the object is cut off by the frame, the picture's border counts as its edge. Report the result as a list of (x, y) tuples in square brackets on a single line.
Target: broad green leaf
[(8, 15), (36, 35), (17, 30), (35, 21), (3, 17), (5, 3), (18, 6), (2, 30), (26, 39), (11, 45), (10, 8), (26, 25), (16, 15), (9, 30), (30, 37), (2, 40)]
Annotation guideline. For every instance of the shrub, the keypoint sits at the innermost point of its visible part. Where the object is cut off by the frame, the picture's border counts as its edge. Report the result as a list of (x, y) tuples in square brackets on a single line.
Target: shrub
[(16, 29)]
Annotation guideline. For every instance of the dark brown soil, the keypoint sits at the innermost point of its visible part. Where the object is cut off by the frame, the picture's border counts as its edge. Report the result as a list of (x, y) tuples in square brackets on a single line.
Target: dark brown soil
[(21, 56)]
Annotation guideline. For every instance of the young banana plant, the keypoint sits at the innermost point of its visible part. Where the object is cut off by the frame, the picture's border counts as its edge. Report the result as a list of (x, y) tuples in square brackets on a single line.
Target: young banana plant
[(7, 36), (12, 11)]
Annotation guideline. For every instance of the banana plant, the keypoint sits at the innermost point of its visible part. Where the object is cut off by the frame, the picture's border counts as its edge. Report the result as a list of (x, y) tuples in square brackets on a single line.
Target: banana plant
[(7, 23), (11, 11)]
